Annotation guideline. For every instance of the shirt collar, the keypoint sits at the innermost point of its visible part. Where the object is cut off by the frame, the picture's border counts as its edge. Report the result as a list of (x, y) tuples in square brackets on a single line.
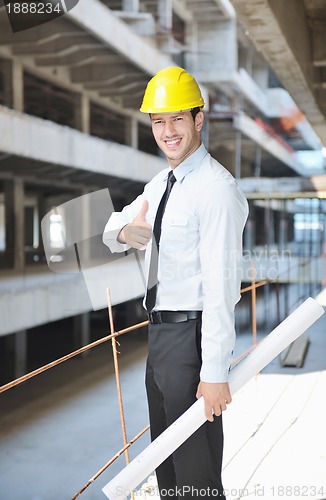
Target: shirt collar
[(188, 164)]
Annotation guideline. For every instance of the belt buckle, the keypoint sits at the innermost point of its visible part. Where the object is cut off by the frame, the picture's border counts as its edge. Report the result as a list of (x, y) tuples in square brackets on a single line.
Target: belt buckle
[(181, 317), (154, 317)]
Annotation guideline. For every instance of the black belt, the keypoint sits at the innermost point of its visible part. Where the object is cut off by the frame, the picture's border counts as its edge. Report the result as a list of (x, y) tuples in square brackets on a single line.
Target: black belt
[(172, 316)]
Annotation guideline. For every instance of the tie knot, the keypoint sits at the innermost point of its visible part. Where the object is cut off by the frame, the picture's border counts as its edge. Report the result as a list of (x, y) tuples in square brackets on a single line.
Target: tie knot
[(171, 178)]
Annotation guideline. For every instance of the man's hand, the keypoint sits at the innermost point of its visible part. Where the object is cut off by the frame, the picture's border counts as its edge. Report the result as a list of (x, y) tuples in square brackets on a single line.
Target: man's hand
[(216, 397), (138, 233)]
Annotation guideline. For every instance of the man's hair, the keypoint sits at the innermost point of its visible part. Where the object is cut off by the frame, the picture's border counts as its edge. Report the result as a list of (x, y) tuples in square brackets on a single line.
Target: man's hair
[(194, 112)]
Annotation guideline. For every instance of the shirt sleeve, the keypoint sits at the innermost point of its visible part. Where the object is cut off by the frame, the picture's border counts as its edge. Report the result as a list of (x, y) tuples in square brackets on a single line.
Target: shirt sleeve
[(222, 211), (117, 221)]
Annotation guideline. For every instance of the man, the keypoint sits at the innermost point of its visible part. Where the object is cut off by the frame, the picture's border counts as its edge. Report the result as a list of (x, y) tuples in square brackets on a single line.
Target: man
[(190, 219)]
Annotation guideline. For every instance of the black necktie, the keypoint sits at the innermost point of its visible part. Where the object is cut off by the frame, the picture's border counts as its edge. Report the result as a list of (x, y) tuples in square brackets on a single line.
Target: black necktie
[(153, 267)]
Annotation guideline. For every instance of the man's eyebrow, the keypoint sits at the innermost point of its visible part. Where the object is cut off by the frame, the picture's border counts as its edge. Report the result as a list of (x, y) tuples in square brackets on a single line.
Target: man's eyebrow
[(161, 117)]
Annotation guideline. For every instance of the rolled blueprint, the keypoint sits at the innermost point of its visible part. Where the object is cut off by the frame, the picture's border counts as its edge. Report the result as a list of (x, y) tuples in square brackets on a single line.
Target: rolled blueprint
[(162, 447)]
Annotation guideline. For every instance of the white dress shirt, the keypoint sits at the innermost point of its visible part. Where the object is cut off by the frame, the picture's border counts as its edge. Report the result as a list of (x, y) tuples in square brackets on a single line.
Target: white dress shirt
[(200, 250)]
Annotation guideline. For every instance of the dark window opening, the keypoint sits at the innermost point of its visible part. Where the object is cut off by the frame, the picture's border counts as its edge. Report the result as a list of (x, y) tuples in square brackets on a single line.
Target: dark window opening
[(48, 101), (107, 124)]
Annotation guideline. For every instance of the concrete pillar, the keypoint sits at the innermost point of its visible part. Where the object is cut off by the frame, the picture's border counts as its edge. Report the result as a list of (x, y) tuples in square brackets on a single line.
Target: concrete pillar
[(82, 330), (13, 85), (19, 194), (237, 167), (260, 75), (283, 227), (268, 307), (249, 234), (165, 14), (222, 35), (258, 161), (131, 134), (8, 190), (130, 5), (14, 215), (323, 231), (283, 232), (249, 60), (20, 353), (269, 224), (82, 113), (41, 211)]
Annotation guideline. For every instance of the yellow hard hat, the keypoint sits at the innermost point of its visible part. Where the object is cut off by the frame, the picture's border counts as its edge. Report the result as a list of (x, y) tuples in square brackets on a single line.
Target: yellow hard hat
[(171, 90)]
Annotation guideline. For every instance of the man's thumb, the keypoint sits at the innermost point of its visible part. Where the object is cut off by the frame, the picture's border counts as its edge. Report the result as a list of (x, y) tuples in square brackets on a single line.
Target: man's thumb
[(141, 216)]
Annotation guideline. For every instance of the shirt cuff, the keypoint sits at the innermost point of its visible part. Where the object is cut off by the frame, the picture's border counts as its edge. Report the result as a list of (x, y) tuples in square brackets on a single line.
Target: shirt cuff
[(214, 373), (111, 241)]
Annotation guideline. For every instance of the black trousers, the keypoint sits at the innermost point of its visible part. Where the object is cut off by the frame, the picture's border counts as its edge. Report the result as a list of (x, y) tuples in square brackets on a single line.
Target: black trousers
[(172, 377)]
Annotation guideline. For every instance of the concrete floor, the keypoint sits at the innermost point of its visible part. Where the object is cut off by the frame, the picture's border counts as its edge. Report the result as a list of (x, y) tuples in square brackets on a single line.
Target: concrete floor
[(57, 430)]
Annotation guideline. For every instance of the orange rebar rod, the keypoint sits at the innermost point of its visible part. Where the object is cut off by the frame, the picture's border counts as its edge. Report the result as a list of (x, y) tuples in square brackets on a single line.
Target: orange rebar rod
[(117, 376), (110, 462), (43, 368)]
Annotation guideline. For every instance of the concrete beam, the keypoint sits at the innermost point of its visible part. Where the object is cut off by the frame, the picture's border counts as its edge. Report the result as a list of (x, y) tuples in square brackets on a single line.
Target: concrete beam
[(280, 31), (251, 129), (227, 8), (128, 89), (182, 11), (114, 80), (76, 55), (21, 135), (43, 32), (60, 295), (96, 18), (101, 72), (142, 23), (53, 44)]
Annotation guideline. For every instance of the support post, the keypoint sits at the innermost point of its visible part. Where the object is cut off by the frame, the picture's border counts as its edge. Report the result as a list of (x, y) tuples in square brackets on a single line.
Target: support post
[(14, 216), (130, 5), (20, 353), (238, 139), (131, 135), (13, 85), (82, 113), (82, 331)]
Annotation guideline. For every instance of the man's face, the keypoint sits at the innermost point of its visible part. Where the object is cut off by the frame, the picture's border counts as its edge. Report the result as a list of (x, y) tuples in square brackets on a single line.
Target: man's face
[(177, 134)]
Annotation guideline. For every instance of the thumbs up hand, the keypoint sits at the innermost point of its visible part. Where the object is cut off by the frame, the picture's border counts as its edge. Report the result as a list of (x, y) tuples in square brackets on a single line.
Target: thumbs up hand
[(138, 233)]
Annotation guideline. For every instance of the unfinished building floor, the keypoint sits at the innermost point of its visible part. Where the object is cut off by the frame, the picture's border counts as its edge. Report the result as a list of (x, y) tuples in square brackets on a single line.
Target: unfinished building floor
[(58, 429)]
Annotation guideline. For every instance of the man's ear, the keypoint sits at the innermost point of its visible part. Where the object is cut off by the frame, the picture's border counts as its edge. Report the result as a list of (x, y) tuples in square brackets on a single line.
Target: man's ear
[(199, 120)]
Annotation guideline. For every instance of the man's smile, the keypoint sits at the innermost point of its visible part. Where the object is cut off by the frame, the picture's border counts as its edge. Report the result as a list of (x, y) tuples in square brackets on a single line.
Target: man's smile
[(172, 143)]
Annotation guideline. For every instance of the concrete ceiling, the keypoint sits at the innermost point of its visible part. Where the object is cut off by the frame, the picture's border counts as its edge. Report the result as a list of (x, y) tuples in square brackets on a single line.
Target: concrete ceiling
[(291, 35), (86, 57)]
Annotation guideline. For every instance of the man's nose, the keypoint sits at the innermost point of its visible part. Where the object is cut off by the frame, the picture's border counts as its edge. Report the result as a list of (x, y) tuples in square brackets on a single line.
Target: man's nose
[(169, 129)]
